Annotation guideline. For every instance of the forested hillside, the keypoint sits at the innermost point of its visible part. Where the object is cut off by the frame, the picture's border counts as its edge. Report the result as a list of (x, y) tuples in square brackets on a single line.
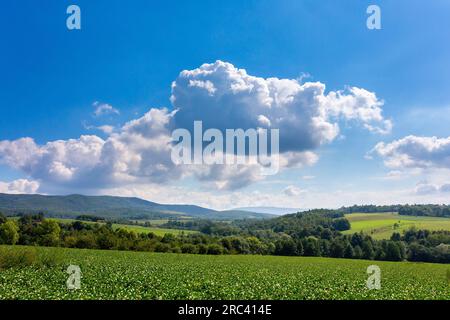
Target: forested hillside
[(110, 207)]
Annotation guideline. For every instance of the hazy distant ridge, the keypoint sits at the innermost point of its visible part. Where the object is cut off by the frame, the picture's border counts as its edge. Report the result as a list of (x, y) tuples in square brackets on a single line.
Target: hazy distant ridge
[(112, 207)]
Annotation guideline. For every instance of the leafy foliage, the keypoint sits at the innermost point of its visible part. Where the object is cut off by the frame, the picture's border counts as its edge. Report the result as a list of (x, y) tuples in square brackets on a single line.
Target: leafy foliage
[(140, 275), (314, 233), (431, 210)]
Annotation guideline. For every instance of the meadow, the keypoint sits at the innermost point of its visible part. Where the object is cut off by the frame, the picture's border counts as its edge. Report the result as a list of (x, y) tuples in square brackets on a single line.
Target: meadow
[(383, 225), (137, 228), (156, 230), (140, 275)]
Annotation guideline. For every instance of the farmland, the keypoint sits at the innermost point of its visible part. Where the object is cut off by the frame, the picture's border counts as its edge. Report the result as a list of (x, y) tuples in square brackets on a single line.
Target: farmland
[(382, 225), (137, 228), (158, 231), (137, 275)]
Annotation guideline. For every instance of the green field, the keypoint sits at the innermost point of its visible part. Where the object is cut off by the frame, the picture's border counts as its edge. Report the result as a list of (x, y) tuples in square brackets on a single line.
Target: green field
[(138, 229), (138, 275), (158, 231), (382, 225), (155, 222)]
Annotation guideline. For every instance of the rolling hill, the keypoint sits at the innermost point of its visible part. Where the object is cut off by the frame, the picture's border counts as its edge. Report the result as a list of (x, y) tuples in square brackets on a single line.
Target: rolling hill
[(71, 206)]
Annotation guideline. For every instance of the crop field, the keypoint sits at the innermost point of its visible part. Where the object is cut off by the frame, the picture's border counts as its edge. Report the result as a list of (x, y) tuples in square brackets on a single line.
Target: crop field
[(138, 275), (383, 225)]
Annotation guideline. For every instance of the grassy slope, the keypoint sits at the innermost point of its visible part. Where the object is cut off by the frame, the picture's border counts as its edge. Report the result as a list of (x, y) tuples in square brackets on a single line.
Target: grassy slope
[(381, 226), (140, 275)]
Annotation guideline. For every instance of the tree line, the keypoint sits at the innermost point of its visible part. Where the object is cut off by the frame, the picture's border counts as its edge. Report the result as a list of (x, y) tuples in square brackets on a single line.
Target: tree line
[(314, 233), (431, 210)]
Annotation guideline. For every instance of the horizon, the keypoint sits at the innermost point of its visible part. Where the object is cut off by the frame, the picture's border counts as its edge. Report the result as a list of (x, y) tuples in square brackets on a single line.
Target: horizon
[(362, 114), (249, 209)]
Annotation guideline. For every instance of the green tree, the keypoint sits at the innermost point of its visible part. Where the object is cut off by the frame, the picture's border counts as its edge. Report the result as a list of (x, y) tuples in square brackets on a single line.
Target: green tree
[(9, 232), (337, 249), (325, 248), (162, 247), (215, 249), (300, 250), (348, 252), (255, 245), (357, 239), (188, 248), (326, 234), (341, 224), (358, 253), (396, 236), (367, 250), (2, 218), (311, 247), (202, 249), (286, 247), (48, 232), (393, 252), (106, 241)]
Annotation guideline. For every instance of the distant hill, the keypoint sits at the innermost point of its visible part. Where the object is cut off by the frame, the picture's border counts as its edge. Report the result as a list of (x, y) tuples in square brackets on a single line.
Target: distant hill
[(71, 206)]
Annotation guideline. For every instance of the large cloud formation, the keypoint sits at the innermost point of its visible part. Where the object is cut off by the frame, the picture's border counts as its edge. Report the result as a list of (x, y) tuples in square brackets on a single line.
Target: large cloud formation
[(220, 95), (415, 152), (139, 152), (224, 96)]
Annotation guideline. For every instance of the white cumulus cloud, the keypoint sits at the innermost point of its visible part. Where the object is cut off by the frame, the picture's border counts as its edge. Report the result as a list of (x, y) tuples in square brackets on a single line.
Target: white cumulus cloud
[(306, 115), (103, 109), (292, 191), (139, 151), (20, 186), (223, 97), (415, 152)]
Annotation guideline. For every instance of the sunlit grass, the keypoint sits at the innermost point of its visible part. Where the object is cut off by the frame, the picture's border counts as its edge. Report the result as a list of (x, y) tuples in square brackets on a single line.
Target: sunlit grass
[(139, 275), (383, 225)]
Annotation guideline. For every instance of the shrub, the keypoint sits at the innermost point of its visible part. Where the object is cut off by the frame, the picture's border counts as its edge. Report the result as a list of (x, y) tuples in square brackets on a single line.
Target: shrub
[(162, 247), (9, 232), (49, 259), (86, 241), (146, 245), (70, 242), (175, 250), (214, 249), (188, 248), (49, 233), (202, 249), (2, 218), (17, 257), (341, 224)]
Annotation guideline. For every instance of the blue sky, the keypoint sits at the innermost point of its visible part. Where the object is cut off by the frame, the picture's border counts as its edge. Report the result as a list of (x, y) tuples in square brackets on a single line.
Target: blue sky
[(128, 55)]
